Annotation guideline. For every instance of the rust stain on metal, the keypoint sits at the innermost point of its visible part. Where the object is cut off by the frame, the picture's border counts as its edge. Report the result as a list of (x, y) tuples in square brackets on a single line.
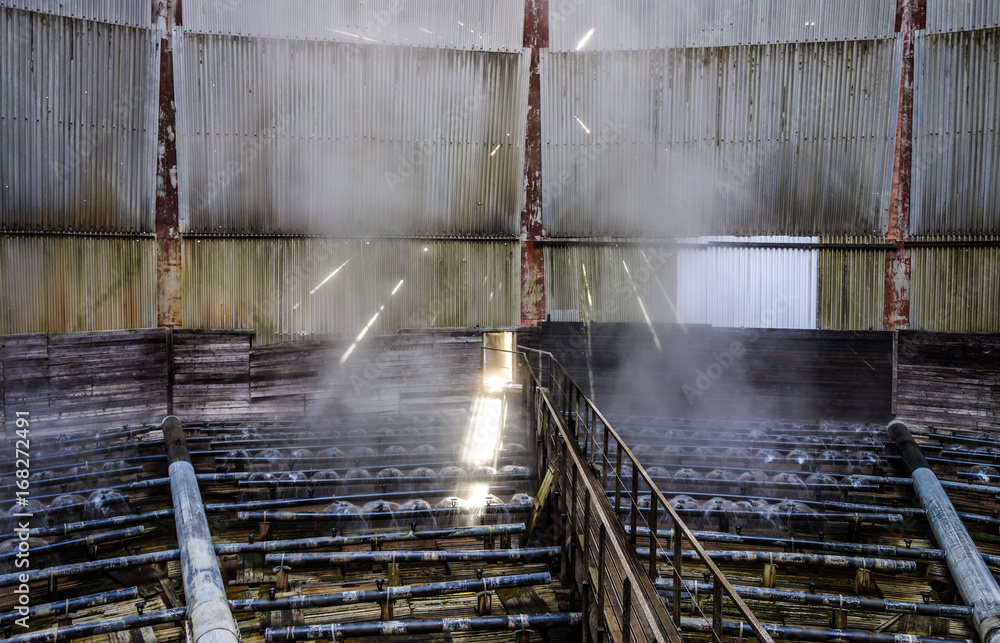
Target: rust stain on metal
[(536, 36), (910, 16), (168, 249)]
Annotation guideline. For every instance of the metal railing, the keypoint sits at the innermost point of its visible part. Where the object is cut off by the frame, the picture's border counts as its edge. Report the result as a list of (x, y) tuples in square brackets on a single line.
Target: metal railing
[(611, 499)]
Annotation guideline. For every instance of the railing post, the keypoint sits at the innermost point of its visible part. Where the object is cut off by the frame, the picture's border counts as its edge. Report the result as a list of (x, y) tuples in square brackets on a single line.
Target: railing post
[(652, 535), (717, 608), (634, 513), (604, 461), (676, 564), (618, 480), (601, 549), (626, 610)]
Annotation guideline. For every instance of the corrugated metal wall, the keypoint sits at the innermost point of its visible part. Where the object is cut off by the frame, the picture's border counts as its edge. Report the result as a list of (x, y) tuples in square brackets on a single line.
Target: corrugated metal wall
[(606, 283), (77, 119), (494, 25), (654, 24), (747, 287), (281, 136), (962, 15), (285, 289), (129, 13), (69, 284), (851, 291), (774, 139), (956, 289), (956, 152)]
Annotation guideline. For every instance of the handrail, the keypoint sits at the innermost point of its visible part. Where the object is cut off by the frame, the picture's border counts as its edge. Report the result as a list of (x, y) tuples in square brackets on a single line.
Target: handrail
[(566, 394)]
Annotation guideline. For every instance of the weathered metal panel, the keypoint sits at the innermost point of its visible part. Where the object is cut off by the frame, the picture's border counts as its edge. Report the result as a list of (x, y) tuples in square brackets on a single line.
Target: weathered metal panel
[(655, 24), (68, 284), (956, 289), (962, 15), (851, 292), (78, 124), (286, 289), (492, 25), (773, 139), (611, 283), (748, 287), (956, 147), (128, 13), (331, 138)]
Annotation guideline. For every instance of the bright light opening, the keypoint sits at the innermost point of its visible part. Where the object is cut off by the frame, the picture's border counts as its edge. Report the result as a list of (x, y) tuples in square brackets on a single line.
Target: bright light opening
[(583, 41)]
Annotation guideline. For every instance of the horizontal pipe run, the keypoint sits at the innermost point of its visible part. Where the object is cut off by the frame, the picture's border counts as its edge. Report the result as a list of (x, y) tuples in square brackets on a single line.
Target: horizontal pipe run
[(883, 565), (428, 626), (885, 551), (360, 539), (96, 628), (91, 567), (89, 541), (365, 557), (975, 519), (837, 601), (266, 505), (871, 518), (819, 634), (389, 593), (90, 525), (292, 516), (470, 479), (59, 608)]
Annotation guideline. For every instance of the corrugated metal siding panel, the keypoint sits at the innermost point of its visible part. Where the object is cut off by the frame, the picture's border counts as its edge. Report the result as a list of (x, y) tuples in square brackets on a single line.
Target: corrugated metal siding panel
[(494, 25), (851, 289), (655, 24), (962, 15), (129, 13), (747, 287), (70, 284), (607, 283), (779, 139), (956, 289), (78, 124), (956, 132), (322, 138), (279, 287)]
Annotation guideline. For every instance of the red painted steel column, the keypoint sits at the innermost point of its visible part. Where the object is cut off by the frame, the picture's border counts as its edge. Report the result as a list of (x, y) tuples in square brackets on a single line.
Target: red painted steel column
[(536, 36), (910, 17), (168, 236)]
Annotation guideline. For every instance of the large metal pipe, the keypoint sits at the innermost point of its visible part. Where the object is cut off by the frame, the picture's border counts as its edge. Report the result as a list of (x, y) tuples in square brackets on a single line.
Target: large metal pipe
[(389, 593), (794, 633), (209, 615), (90, 525), (428, 626), (90, 567), (837, 601), (975, 582), (405, 556), (89, 541), (59, 608), (883, 565)]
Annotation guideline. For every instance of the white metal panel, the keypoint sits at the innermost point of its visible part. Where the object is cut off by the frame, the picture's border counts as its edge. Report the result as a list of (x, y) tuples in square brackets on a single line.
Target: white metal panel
[(299, 137), (78, 102), (739, 140), (616, 25), (482, 25), (748, 287), (130, 13)]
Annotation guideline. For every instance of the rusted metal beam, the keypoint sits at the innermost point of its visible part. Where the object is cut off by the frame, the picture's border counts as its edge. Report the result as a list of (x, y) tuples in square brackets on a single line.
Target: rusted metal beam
[(896, 313), (168, 235), (209, 616), (536, 37)]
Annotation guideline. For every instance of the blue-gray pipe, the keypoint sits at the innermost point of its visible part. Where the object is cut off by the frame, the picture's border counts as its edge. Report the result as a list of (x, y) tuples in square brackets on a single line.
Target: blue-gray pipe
[(208, 614), (975, 582), (428, 626)]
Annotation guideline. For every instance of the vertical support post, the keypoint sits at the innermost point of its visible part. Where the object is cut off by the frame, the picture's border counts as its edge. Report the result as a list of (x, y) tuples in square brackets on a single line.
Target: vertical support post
[(536, 37), (634, 513), (626, 610), (676, 563), (717, 608), (652, 535), (618, 479), (602, 536), (168, 235), (910, 18), (604, 460)]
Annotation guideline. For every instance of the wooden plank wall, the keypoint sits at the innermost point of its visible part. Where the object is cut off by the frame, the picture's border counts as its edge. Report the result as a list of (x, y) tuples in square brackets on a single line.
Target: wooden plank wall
[(88, 381), (700, 371), (948, 380)]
